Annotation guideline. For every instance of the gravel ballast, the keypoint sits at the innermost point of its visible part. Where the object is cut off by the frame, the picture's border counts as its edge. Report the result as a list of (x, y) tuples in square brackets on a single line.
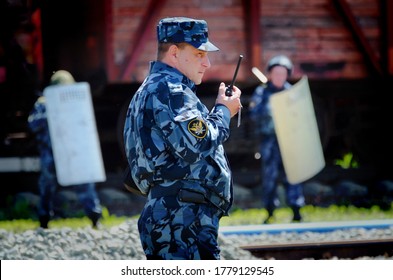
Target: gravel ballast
[(122, 242)]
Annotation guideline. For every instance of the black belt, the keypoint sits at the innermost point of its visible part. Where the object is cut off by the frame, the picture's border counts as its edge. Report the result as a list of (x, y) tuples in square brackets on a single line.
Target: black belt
[(186, 195), (156, 191)]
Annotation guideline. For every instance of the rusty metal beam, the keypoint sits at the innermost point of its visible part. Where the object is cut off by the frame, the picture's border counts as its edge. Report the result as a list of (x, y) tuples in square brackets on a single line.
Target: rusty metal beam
[(141, 36), (252, 28), (349, 18), (389, 33), (108, 14)]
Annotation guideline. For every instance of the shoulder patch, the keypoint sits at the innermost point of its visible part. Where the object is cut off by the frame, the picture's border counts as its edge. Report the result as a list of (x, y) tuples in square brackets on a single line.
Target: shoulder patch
[(197, 128)]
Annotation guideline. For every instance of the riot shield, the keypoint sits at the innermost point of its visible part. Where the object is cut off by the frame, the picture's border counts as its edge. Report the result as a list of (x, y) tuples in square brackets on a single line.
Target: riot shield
[(73, 132), (297, 132)]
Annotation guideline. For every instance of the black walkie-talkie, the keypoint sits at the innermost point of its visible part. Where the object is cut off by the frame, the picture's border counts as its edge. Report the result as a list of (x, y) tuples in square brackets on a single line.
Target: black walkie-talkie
[(228, 91)]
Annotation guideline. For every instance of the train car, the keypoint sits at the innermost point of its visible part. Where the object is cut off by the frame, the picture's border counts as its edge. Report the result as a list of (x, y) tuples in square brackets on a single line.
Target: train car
[(344, 47)]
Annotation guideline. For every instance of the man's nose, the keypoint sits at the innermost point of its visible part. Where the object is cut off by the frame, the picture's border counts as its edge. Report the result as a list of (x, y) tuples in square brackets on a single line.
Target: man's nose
[(206, 62)]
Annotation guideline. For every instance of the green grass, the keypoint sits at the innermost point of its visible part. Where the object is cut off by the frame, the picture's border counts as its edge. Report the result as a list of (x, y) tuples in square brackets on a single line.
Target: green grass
[(19, 225), (236, 217), (309, 213)]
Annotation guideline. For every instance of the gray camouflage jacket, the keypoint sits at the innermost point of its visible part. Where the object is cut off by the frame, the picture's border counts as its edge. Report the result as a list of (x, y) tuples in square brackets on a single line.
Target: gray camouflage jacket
[(169, 135)]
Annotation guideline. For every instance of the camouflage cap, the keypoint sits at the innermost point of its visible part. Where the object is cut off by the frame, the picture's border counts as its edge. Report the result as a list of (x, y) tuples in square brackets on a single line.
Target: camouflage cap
[(188, 30)]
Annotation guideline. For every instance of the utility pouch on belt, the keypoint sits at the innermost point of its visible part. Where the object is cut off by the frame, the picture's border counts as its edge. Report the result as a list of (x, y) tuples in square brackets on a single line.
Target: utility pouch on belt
[(189, 196)]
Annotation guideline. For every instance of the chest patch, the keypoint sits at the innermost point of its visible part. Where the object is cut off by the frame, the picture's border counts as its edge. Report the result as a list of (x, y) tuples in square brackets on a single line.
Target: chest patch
[(197, 128)]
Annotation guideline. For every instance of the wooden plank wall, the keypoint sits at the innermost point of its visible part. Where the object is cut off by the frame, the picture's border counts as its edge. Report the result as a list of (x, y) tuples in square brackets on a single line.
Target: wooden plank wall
[(312, 32), (315, 36)]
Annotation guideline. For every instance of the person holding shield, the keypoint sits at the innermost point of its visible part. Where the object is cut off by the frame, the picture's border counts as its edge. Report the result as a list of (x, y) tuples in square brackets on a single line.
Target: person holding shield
[(279, 69), (47, 182)]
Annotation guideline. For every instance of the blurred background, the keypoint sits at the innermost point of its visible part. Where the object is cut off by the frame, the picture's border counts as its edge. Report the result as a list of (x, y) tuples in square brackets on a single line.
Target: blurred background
[(344, 47)]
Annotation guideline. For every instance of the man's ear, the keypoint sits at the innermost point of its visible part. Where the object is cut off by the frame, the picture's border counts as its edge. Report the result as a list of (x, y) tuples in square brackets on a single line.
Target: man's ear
[(173, 51), (171, 56)]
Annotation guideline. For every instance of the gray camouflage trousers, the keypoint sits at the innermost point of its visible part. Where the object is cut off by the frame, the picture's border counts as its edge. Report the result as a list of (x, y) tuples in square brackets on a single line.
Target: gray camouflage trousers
[(174, 230)]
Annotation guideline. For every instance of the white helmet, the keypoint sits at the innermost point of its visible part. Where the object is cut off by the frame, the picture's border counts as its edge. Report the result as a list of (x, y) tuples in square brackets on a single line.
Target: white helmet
[(281, 60), (61, 77)]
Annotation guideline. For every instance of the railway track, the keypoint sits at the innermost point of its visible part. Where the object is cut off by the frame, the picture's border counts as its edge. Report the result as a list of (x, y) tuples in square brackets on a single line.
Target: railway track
[(347, 248)]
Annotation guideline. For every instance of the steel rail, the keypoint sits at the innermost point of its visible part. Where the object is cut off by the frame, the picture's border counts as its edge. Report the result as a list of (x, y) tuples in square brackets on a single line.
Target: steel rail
[(345, 249)]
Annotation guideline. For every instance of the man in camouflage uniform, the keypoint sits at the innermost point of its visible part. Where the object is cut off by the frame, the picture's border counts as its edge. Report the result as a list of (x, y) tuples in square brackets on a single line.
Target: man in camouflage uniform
[(47, 182), (279, 70), (174, 147)]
